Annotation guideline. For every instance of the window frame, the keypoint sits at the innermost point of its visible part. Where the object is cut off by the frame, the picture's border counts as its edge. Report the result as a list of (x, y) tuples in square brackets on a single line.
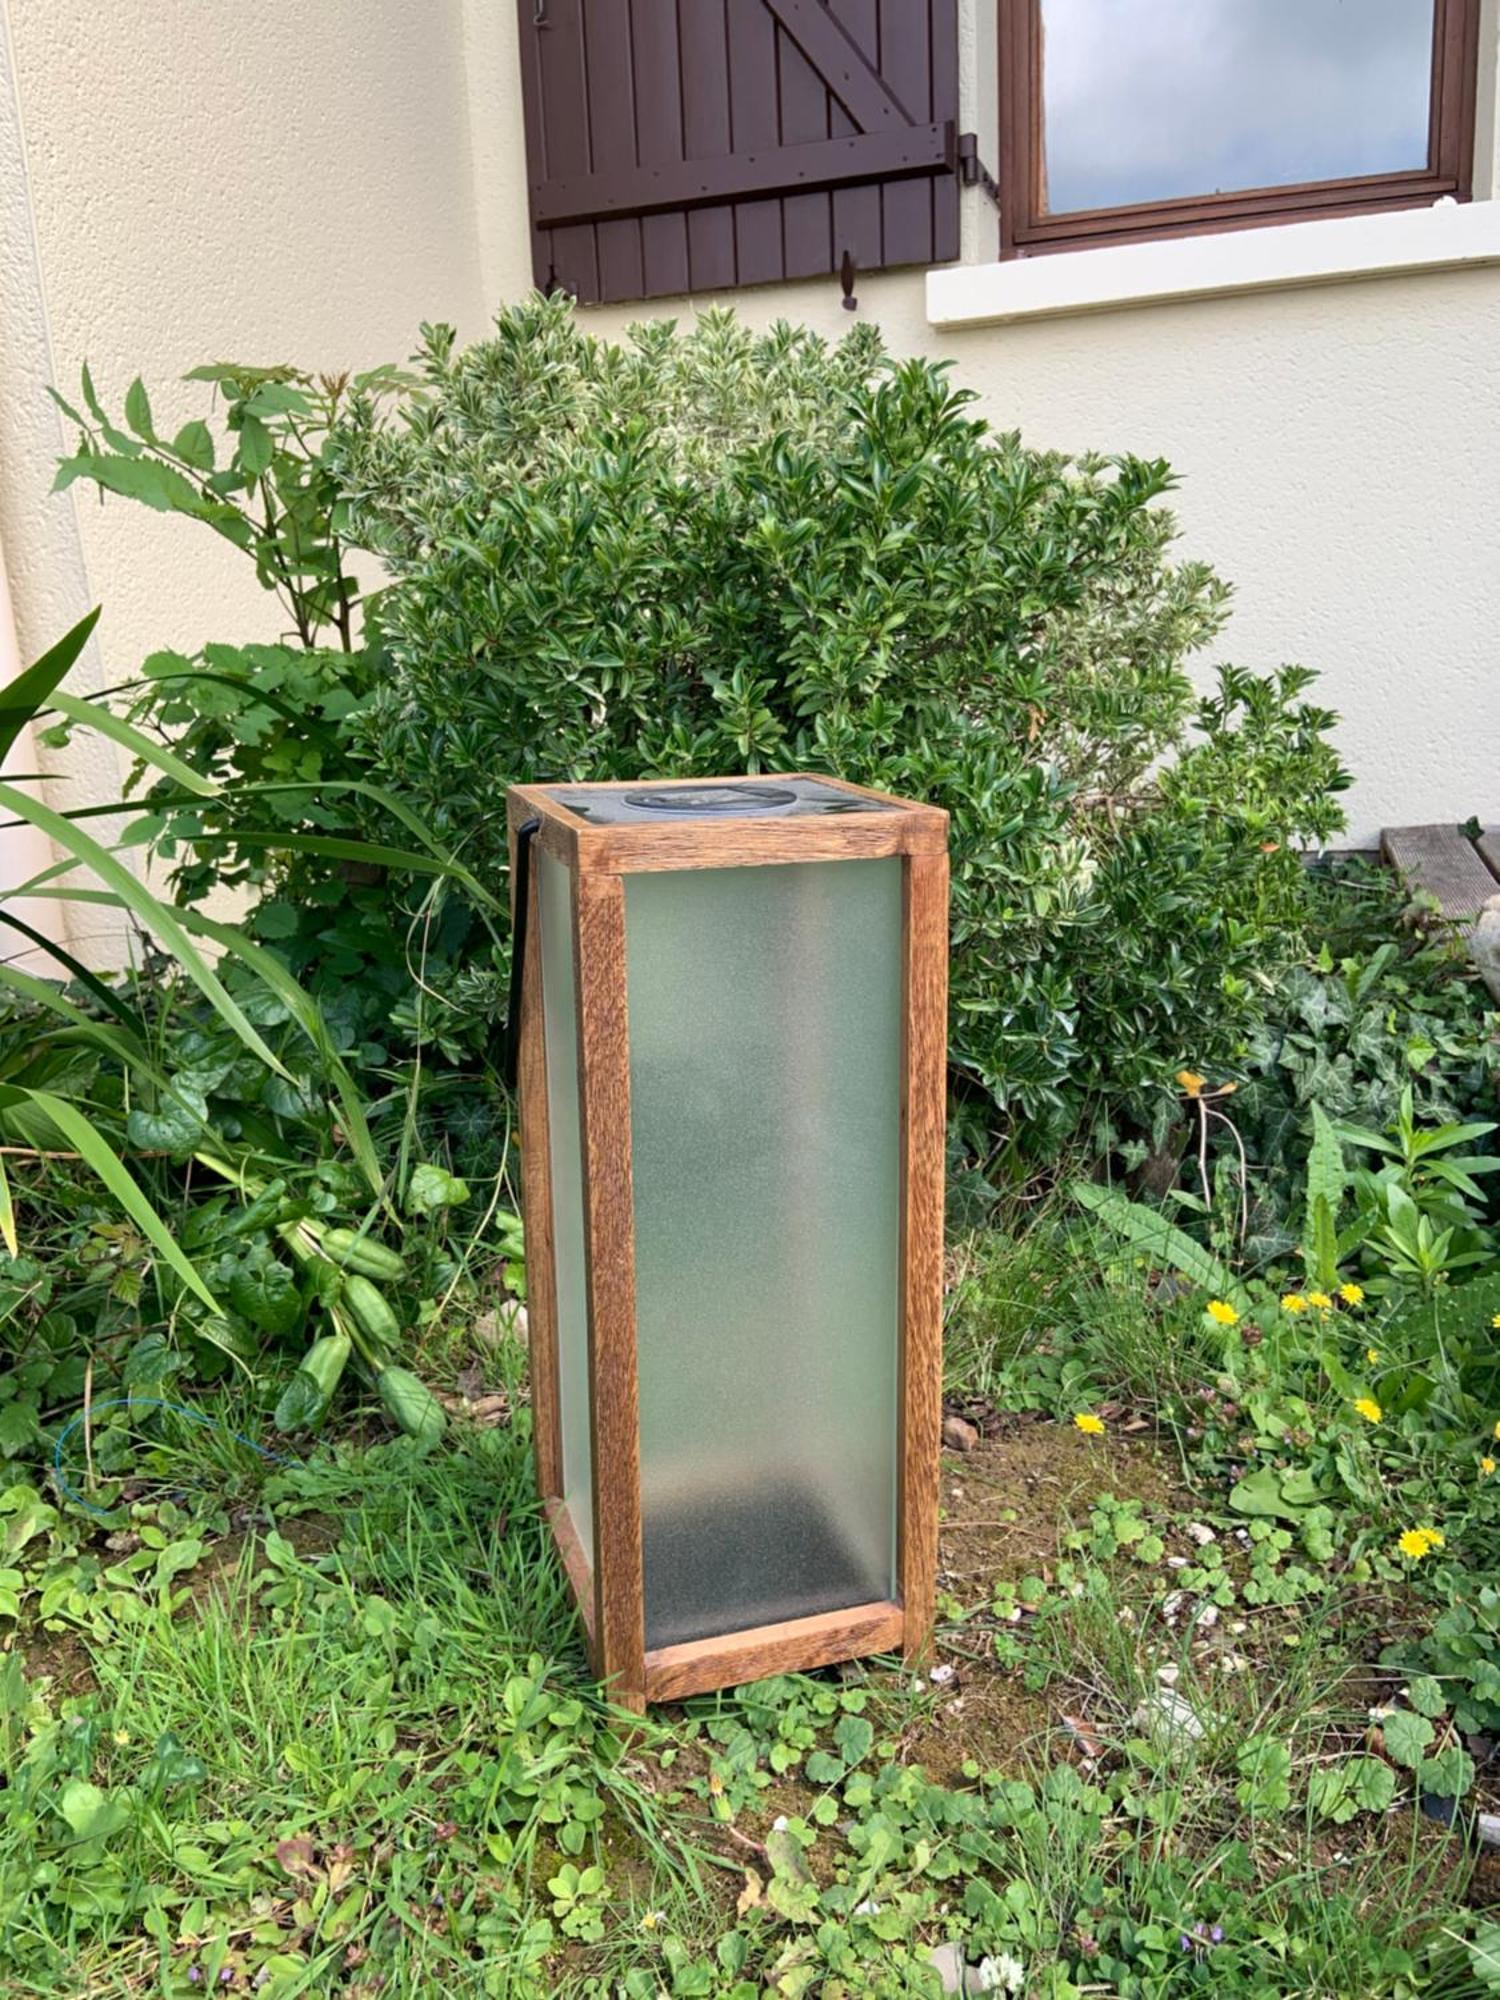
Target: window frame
[(1026, 230)]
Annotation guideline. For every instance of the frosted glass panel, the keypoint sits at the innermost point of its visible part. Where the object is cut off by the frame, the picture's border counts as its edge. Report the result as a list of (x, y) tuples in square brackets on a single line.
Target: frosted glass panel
[(765, 1049), (559, 1008)]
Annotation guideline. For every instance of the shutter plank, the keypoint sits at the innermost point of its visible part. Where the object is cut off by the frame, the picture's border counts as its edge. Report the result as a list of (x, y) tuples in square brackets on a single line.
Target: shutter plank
[(943, 15), (564, 92), (656, 67), (753, 130), (806, 219), (856, 211), (611, 101), (906, 62), (705, 136)]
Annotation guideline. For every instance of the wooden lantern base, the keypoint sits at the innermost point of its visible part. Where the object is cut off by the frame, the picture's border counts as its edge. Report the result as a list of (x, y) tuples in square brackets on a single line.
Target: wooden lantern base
[(787, 1645)]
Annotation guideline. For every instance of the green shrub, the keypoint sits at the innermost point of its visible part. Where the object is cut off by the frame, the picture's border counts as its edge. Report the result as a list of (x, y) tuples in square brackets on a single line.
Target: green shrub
[(713, 551)]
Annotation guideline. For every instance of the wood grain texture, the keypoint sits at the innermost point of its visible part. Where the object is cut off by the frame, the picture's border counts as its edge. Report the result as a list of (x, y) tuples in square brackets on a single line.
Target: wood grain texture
[(536, 1192), (673, 1672), (923, 1123), (609, 1235), (1438, 861), (753, 843), (574, 1562)]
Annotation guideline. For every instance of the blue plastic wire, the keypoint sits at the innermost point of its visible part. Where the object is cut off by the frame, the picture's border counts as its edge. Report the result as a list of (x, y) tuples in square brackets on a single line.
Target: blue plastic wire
[(146, 1403)]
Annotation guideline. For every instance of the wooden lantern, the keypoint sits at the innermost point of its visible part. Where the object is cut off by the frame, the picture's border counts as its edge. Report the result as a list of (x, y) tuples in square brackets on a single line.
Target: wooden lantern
[(732, 1041)]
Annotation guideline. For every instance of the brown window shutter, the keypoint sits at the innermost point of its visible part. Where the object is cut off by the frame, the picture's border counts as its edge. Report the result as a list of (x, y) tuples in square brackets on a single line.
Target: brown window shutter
[(693, 145)]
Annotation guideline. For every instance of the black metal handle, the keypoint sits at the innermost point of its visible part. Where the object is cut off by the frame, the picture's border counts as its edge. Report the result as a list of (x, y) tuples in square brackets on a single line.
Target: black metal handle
[(520, 906)]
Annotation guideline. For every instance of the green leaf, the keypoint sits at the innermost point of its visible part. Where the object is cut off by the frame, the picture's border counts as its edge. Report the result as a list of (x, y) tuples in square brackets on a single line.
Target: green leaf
[(1260, 1494), (432, 1187), (1407, 1737), (264, 1291), (98, 1154), (195, 444), (90, 1812), (821, 1769), (256, 449), (1160, 1240), (30, 691), (94, 715), (175, 1124), (148, 480), (1426, 1696), (855, 1737), (1449, 1775), (138, 411), (1358, 1784), (163, 923)]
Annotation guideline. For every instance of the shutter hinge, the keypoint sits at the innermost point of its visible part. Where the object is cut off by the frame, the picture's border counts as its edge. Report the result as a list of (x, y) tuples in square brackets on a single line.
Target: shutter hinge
[(971, 169)]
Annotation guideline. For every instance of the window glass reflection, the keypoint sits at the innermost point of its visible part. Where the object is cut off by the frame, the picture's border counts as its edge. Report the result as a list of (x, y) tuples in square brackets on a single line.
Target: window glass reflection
[(1150, 100)]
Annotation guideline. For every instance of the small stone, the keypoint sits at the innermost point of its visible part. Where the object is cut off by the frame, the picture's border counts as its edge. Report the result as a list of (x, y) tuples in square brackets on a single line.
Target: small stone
[(1169, 1676), (1208, 1617), (1168, 1720), (959, 1435), (1177, 1562), (941, 1674), (1201, 1533), (947, 1960)]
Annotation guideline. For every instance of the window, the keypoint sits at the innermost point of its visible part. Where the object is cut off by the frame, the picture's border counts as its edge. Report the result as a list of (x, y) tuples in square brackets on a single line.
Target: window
[(1124, 119)]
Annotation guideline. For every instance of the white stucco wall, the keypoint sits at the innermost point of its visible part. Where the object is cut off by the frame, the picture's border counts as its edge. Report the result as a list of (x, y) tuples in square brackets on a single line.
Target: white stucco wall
[(188, 180)]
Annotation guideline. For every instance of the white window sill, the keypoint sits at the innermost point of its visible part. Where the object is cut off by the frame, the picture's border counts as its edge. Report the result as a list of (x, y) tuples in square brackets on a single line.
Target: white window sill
[(1446, 236)]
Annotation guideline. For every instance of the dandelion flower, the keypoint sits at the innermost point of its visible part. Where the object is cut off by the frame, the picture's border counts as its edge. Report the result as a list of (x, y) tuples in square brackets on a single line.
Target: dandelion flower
[(1190, 1083), (1496, 1320), (1089, 1424), (1419, 1542), (1321, 1300), (1372, 1355), (1368, 1408), (122, 1737), (1352, 1295), (1222, 1311), (1293, 1302), (1497, 1430), (1486, 1467)]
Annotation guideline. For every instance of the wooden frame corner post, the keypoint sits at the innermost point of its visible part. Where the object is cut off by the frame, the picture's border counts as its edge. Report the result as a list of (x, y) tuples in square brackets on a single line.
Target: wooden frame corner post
[(609, 1236), (923, 1124)]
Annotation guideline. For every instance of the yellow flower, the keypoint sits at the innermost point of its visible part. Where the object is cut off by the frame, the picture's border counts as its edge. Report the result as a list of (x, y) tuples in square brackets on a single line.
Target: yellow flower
[(1368, 1408), (1419, 1542), (1321, 1300), (1372, 1355), (1496, 1320), (1486, 1467), (1190, 1081), (1222, 1311), (1352, 1295), (122, 1737), (1293, 1302), (1497, 1430), (1089, 1424)]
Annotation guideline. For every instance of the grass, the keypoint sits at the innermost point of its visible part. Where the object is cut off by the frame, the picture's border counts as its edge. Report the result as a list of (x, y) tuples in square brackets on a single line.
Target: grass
[(327, 1730)]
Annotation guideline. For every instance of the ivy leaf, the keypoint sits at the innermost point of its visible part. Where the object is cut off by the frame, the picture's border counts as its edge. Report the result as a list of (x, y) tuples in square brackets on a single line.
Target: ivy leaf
[(174, 1125), (262, 1290)]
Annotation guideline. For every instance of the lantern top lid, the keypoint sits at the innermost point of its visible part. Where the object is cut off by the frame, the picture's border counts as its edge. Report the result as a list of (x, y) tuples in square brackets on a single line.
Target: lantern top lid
[(652, 823), (647, 802)]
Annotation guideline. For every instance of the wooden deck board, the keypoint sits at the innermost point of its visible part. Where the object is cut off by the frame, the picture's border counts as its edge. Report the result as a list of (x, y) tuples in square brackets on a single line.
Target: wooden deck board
[(1489, 851), (1439, 861)]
